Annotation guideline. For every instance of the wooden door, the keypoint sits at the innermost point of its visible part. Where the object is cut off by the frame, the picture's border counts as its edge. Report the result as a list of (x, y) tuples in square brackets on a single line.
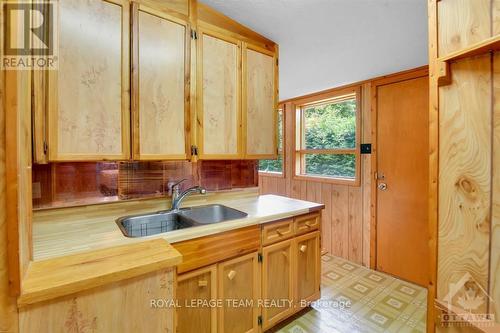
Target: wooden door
[(308, 267), (277, 280), (402, 185), (239, 284), (197, 285), (219, 105), (160, 85), (259, 102), (88, 96)]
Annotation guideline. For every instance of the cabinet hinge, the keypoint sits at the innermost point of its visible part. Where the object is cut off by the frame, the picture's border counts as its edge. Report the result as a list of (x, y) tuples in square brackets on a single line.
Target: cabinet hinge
[(194, 150), (259, 257), (259, 320), (194, 34), (45, 147)]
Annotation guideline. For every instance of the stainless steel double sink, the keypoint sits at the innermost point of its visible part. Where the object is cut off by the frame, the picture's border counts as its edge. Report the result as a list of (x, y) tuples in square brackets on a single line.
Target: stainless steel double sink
[(160, 222)]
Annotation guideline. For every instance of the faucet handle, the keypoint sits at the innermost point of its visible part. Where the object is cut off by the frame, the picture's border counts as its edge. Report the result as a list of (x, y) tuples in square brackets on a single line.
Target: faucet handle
[(172, 187)]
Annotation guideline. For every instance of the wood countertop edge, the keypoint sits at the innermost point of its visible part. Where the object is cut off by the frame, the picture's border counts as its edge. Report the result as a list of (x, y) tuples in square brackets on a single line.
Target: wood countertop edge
[(79, 272)]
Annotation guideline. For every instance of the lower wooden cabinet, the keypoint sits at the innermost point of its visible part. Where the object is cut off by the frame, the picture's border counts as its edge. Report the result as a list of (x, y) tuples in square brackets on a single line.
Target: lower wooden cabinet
[(197, 286), (308, 267), (254, 292), (277, 281), (235, 284), (239, 285)]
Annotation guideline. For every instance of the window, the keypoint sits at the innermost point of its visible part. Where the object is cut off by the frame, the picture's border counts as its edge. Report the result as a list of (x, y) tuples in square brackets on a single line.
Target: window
[(276, 166), (327, 137)]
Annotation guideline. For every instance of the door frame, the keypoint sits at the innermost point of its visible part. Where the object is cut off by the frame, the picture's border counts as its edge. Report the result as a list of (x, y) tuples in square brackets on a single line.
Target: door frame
[(403, 76)]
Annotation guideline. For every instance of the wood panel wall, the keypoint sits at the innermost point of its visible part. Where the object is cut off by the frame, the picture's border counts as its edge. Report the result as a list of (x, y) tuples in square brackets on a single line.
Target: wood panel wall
[(346, 217), (464, 157)]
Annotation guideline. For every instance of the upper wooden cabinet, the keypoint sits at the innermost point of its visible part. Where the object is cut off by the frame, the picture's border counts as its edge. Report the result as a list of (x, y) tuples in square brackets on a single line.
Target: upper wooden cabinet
[(88, 96), (259, 102), (204, 81), (219, 79), (160, 85)]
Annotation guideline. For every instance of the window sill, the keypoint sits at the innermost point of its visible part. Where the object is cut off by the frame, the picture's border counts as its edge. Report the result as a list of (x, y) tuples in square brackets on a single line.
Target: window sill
[(271, 174), (329, 180)]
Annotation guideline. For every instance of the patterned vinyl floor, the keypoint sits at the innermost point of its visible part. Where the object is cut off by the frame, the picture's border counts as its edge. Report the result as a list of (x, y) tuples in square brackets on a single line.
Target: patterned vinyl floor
[(357, 299)]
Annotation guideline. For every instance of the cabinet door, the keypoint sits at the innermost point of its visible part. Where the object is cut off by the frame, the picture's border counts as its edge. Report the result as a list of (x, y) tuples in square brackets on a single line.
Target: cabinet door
[(277, 281), (160, 87), (308, 267), (219, 109), (194, 286), (88, 96), (239, 287), (259, 102)]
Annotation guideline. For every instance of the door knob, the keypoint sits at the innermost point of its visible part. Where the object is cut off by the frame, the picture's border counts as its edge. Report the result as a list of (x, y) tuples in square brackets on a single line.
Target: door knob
[(382, 186), (303, 248), (202, 283)]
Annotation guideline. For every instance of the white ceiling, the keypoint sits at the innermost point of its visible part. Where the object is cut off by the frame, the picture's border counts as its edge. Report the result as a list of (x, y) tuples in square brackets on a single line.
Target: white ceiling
[(329, 43)]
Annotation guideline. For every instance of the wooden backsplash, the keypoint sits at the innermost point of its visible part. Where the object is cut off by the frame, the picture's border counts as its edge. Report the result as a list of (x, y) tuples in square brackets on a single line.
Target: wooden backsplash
[(83, 183)]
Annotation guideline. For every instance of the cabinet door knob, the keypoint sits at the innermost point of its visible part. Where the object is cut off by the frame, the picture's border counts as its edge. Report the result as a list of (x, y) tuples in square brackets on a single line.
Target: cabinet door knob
[(303, 248), (202, 283), (285, 254), (231, 275)]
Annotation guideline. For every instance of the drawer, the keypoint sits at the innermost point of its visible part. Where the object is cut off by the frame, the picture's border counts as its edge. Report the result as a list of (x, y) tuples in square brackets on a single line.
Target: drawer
[(278, 231), (306, 223)]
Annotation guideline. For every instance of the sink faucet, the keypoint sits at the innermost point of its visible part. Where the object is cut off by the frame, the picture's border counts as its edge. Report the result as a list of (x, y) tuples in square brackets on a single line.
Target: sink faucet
[(178, 196)]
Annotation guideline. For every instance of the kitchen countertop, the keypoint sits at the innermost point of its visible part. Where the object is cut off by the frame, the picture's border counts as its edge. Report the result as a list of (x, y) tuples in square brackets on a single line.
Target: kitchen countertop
[(59, 233), (82, 247)]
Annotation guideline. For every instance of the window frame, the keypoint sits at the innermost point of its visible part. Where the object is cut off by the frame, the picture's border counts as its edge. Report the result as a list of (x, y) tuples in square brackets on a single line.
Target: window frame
[(282, 151), (299, 150)]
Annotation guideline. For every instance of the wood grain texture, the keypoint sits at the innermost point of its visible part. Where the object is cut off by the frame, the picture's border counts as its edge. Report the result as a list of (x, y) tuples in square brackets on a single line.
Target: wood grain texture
[(239, 280), (277, 231), (197, 285), (161, 112), (259, 103), (462, 23), (402, 159), (278, 278), (123, 306), (52, 278), (495, 17), (495, 218), (88, 97), (8, 309), (209, 250), (308, 267), (465, 170), (355, 230), (219, 109)]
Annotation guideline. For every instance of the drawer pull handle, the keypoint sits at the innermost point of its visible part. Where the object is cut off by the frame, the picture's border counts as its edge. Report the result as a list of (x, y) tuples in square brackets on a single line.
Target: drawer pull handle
[(231, 275), (308, 224), (303, 248), (278, 231), (202, 283)]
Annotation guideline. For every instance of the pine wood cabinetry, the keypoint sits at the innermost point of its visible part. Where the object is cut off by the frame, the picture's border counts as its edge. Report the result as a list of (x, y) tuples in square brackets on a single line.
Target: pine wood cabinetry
[(160, 85), (88, 96), (259, 102), (256, 290), (190, 89), (308, 270), (219, 80), (278, 280), (239, 284), (198, 285)]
